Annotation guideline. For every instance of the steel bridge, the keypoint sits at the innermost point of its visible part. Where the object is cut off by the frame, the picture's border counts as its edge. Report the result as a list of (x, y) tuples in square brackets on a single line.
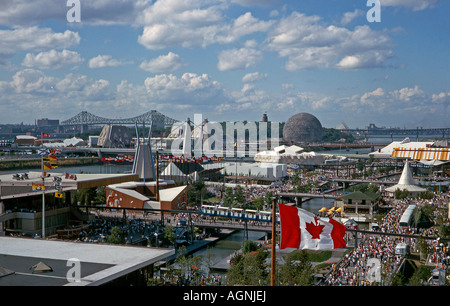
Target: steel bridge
[(399, 131), (152, 117)]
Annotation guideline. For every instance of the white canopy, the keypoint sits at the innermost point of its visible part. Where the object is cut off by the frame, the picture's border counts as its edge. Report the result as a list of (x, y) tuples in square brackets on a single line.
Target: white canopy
[(406, 181)]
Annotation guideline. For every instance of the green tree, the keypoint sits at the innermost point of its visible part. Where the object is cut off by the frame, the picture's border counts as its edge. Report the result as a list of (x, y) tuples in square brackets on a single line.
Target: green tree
[(258, 203), (116, 236), (228, 197), (168, 237), (249, 246), (297, 270), (196, 192), (248, 270)]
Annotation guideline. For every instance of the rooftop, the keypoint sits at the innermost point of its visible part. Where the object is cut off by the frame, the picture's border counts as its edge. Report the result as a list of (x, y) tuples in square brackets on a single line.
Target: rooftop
[(99, 263)]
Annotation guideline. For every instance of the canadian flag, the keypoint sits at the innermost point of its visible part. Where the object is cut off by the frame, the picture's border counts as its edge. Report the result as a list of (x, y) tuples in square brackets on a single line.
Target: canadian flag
[(301, 229)]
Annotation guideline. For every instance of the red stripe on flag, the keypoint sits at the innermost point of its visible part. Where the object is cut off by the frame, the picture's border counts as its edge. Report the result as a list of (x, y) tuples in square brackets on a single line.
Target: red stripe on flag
[(290, 227), (338, 233)]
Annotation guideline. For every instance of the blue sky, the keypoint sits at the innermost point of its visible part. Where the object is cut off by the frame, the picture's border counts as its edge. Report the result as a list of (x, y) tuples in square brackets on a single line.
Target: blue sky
[(227, 59)]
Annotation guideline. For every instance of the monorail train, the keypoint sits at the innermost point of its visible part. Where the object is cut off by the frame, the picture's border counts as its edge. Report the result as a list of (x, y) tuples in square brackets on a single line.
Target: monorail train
[(238, 213), (407, 218)]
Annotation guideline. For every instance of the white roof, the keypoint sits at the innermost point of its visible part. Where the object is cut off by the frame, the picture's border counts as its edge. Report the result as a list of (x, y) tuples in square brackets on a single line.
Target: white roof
[(25, 137), (406, 181), (387, 150), (122, 259), (131, 193), (172, 170), (170, 194)]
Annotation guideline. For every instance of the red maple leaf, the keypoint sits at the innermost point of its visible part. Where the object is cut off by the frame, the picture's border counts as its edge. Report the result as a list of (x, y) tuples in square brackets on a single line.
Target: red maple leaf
[(315, 228)]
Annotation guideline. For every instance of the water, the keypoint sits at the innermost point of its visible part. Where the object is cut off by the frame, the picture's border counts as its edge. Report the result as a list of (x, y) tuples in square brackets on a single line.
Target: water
[(224, 248), (315, 204)]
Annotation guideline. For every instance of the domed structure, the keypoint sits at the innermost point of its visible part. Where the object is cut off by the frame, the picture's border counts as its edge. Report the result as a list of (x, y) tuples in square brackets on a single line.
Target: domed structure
[(302, 127)]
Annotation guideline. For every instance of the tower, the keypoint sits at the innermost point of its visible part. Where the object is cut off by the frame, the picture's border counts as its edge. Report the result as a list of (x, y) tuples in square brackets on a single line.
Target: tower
[(143, 158)]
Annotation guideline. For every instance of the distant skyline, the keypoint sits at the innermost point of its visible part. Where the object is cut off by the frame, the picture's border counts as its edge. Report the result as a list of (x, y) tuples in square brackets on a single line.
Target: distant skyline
[(229, 60)]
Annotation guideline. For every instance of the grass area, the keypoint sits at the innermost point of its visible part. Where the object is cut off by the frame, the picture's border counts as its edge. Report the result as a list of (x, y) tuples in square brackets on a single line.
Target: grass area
[(214, 199), (319, 256)]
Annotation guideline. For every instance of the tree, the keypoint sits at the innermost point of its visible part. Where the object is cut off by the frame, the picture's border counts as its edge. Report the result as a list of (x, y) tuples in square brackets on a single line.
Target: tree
[(249, 246), (116, 236), (169, 237), (258, 203), (196, 192), (297, 270), (248, 270), (228, 197)]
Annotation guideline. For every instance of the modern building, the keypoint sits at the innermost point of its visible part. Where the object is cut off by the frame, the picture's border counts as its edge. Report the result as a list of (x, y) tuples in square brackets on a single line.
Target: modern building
[(406, 145), (302, 128), (292, 155), (144, 195), (21, 199), (26, 140)]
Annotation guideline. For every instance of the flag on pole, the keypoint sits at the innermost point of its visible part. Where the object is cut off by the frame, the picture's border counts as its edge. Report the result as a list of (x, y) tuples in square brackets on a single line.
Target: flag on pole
[(301, 229), (49, 159), (43, 151), (47, 167)]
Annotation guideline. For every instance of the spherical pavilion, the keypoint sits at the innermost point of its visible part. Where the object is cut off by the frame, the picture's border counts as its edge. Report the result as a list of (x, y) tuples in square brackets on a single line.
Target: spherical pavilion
[(302, 128)]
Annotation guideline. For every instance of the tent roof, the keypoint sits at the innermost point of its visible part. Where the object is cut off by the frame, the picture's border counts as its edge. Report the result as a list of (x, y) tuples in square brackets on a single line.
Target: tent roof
[(406, 181)]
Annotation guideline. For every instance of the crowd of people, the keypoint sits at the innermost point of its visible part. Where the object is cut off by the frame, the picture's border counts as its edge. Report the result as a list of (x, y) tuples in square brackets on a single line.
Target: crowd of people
[(355, 269)]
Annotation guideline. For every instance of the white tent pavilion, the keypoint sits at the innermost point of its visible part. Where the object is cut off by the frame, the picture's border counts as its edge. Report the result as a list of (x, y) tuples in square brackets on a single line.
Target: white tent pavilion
[(406, 182)]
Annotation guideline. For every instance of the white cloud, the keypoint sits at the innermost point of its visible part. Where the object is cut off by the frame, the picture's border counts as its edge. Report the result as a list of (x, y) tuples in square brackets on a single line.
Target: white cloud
[(254, 2), (35, 38), (31, 93), (190, 87), (99, 12), (235, 59), (163, 63), (101, 61), (254, 76), (197, 23), (416, 5), (52, 59), (32, 81), (306, 42), (348, 17)]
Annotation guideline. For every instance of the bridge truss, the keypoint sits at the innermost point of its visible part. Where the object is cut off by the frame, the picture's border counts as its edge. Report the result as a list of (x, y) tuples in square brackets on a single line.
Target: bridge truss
[(152, 117)]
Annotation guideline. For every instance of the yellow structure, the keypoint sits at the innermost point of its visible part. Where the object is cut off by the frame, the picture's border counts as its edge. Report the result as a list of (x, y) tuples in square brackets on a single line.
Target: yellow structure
[(442, 154)]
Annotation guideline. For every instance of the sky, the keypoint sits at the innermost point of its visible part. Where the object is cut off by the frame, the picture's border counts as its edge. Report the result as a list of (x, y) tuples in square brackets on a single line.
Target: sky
[(229, 60)]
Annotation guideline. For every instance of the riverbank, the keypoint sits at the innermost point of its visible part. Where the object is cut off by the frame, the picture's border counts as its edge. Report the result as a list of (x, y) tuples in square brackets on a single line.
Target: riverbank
[(35, 163), (200, 244)]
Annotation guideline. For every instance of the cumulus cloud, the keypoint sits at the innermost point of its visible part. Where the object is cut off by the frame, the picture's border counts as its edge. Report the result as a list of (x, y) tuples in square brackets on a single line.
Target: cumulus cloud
[(52, 59), (163, 63), (197, 23), (416, 5), (254, 76), (101, 61), (31, 89), (99, 12), (348, 17), (243, 58), (190, 87), (35, 38), (306, 42)]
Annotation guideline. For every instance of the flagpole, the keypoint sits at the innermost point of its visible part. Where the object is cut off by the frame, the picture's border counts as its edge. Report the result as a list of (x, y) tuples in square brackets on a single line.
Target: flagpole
[(273, 263), (43, 184)]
